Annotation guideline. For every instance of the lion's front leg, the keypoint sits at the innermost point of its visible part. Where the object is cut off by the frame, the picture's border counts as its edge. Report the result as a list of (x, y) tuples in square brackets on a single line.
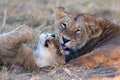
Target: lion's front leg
[(90, 60), (99, 58)]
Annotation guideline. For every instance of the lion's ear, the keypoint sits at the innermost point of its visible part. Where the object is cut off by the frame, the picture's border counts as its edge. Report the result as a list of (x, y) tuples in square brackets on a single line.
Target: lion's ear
[(95, 25), (95, 30), (59, 11)]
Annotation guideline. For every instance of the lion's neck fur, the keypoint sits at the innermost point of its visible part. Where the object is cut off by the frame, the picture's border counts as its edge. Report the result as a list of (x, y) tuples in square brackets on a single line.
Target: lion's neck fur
[(109, 33)]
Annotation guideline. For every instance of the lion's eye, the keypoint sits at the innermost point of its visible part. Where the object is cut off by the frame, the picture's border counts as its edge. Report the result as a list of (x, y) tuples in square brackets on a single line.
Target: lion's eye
[(63, 25), (78, 31)]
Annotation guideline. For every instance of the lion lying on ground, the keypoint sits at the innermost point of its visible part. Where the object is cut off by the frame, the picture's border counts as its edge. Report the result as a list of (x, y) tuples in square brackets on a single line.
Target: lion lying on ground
[(94, 40), (13, 51)]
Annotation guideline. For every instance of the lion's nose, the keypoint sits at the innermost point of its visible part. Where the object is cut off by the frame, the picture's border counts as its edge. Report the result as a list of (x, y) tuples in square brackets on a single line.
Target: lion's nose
[(65, 40), (53, 35)]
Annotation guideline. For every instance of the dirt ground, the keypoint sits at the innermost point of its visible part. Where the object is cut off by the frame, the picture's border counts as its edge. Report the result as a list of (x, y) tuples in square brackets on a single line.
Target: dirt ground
[(63, 73), (38, 15)]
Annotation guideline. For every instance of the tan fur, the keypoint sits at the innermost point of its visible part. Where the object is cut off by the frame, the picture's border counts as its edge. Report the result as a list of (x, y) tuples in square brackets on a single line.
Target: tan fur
[(97, 39), (99, 57), (54, 49), (106, 78), (13, 51)]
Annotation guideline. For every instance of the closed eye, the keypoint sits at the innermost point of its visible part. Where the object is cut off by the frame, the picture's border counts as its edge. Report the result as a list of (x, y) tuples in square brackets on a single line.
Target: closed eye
[(78, 31), (63, 25)]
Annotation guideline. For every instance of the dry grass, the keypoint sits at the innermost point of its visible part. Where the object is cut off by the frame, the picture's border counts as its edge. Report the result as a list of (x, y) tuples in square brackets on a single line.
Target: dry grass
[(38, 14)]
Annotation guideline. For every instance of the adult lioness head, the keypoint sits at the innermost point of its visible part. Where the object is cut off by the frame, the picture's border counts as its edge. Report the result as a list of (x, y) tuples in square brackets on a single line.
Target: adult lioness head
[(48, 51), (76, 30)]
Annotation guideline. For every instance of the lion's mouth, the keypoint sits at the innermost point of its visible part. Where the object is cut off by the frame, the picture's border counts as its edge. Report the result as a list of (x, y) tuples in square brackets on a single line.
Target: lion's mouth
[(64, 47)]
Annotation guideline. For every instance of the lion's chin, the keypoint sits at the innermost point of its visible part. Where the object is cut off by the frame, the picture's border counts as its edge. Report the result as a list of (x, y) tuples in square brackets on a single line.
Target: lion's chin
[(69, 53)]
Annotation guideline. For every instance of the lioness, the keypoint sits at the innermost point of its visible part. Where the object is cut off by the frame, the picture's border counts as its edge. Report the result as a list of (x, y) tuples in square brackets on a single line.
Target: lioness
[(95, 39)]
